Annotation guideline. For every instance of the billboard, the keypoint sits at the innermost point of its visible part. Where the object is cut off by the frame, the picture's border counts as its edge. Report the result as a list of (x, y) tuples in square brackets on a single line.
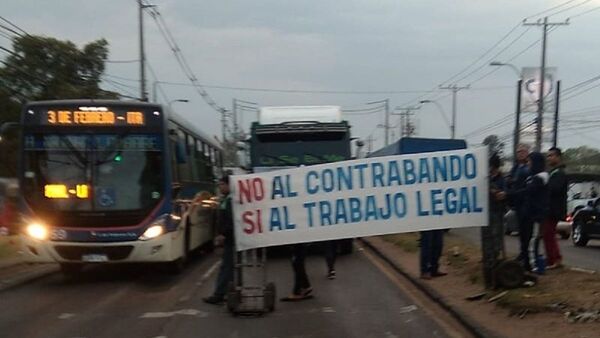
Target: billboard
[(530, 89)]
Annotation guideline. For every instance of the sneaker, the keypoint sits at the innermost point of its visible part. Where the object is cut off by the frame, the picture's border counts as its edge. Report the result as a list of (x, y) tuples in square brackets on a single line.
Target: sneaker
[(426, 276), (215, 300), (438, 274), (331, 274), (554, 266)]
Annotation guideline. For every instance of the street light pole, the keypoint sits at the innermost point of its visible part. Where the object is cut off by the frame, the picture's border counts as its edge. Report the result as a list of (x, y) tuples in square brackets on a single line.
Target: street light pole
[(442, 112), (513, 67)]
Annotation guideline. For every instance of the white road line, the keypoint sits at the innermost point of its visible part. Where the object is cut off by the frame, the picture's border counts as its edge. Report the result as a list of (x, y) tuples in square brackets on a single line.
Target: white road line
[(184, 312), (66, 316), (207, 274)]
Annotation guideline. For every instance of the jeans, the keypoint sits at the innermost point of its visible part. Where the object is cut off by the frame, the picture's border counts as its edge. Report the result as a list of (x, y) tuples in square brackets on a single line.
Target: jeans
[(525, 233), (330, 248), (550, 243), (432, 242), (225, 272), (300, 277)]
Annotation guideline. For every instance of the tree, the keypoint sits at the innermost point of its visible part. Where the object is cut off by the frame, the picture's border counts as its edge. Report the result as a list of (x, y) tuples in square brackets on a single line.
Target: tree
[(582, 159), (43, 68), (494, 144)]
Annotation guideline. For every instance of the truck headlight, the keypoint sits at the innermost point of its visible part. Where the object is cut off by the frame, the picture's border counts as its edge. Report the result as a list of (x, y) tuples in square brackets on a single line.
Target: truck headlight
[(156, 229), (37, 231)]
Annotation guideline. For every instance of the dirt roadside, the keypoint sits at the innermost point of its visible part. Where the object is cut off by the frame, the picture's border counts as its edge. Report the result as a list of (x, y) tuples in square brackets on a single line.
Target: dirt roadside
[(564, 303)]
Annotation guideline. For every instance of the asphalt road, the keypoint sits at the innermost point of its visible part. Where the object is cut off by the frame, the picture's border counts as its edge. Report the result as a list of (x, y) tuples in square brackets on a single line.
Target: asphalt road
[(137, 301), (583, 257)]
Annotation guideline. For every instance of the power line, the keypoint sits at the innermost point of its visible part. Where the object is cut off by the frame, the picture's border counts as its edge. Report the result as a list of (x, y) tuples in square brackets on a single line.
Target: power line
[(157, 83), (495, 55), (12, 24), (11, 30), (306, 91), (123, 61), (483, 55), (584, 12), (550, 9), (172, 43), (511, 58), (571, 7)]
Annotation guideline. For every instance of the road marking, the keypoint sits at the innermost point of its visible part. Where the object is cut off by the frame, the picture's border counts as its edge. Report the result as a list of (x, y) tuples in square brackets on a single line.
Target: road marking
[(66, 316), (184, 312), (207, 274), (327, 309), (434, 311), (408, 309), (200, 282)]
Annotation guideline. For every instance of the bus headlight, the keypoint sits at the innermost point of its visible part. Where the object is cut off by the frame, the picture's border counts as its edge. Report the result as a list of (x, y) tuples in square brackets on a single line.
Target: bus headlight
[(37, 231), (156, 229)]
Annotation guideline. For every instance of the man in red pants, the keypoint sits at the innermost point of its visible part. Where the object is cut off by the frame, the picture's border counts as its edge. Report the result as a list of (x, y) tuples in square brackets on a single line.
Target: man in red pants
[(557, 190)]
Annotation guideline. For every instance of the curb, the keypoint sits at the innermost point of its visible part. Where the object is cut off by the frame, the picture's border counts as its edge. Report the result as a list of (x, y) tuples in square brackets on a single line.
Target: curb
[(21, 273), (472, 326)]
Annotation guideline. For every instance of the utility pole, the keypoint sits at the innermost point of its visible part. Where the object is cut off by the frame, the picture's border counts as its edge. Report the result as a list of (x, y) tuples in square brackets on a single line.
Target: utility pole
[(143, 93), (369, 144), (386, 126), (234, 119), (517, 132), (556, 105), (455, 89), (540, 113), (406, 126), (387, 121), (224, 126)]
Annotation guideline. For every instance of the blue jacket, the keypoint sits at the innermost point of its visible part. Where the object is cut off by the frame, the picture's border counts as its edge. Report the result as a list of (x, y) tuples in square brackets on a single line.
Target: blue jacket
[(533, 198)]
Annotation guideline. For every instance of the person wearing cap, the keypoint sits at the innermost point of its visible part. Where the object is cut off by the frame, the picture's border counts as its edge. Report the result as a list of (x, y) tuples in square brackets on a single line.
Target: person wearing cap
[(225, 238)]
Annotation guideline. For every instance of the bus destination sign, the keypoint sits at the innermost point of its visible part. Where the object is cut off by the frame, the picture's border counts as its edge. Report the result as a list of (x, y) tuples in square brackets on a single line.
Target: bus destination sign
[(99, 117)]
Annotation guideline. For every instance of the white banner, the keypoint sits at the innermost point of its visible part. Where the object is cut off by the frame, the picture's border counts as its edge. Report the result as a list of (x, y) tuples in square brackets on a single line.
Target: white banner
[(370, 196)]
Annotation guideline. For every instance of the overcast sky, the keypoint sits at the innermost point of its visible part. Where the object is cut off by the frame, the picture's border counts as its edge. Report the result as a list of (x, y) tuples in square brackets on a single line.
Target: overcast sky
[(393, 46)]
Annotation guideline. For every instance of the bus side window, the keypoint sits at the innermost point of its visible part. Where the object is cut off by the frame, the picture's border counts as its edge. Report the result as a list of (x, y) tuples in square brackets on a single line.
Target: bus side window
[(174, 167), (183, 166)]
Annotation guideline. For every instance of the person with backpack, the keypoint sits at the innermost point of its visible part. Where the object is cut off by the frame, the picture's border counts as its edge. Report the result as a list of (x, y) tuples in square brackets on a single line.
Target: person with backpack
[(534, 208)]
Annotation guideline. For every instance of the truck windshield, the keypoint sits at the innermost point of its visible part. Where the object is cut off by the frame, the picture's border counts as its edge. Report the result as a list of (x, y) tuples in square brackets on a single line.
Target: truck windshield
[(85, 172)]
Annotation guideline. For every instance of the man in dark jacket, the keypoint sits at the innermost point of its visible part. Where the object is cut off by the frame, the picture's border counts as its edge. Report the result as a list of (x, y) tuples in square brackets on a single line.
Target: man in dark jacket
[(557, 190), (516, 181), (225, 238), (534, 199)]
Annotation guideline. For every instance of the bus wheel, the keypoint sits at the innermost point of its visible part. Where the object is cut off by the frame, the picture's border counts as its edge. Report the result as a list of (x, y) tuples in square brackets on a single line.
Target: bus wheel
[(71, 269)]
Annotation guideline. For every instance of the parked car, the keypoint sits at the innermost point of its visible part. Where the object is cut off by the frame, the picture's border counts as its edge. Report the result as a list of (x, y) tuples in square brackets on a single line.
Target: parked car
[(581, 192), (586, 223)]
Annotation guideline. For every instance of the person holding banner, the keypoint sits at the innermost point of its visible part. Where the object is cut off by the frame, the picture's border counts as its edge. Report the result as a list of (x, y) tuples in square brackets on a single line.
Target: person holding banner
[(225, 238), (302, 289), (331, 248), (432, 243)]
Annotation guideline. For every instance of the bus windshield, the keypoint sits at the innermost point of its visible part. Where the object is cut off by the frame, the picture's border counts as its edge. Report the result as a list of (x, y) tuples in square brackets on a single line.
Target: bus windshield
[(93, 172)]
